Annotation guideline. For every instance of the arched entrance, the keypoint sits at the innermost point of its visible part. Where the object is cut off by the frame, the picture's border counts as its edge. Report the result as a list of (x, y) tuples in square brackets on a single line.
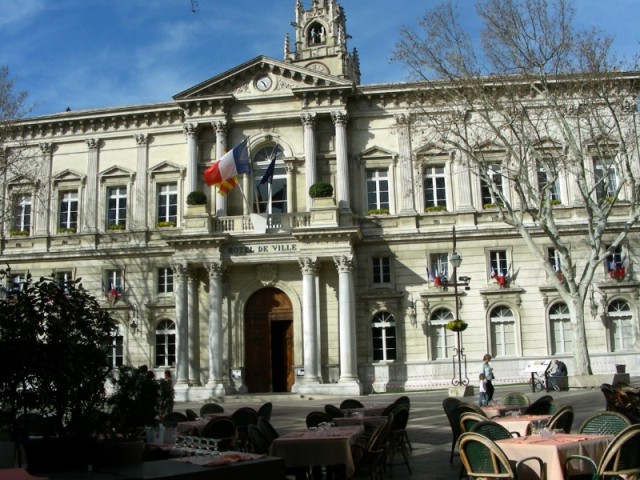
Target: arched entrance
[(268, 333)]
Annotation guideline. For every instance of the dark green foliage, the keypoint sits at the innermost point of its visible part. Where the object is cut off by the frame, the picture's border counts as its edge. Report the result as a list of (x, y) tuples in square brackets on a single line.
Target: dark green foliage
[(321, 190), (196, 198), (53, 354)]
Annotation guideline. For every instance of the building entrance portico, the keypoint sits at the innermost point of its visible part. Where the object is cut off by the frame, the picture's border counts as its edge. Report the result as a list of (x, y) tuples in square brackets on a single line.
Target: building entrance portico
[(268, 331)]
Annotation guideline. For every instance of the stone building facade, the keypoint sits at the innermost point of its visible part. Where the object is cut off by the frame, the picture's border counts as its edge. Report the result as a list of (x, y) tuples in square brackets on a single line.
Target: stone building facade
[(267, 289)]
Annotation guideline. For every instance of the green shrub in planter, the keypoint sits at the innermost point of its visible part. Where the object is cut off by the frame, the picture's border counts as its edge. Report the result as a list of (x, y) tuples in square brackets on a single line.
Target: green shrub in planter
[(435, 208), (379, 211), (19, 233), (196, 198), (321, 190), (116, 227), (165, 224), (67, 230)]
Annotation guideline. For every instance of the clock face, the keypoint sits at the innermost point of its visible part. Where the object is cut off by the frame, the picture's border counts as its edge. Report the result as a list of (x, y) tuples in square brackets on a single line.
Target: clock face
[(263, 82)]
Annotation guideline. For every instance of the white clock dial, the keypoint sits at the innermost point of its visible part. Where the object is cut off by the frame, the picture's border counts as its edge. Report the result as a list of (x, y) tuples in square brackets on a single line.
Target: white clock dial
[(264, 83)]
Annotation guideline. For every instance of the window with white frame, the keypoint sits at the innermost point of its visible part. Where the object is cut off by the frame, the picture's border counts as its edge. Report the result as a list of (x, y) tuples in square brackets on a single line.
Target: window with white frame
[(22, 213), (377, 190), (491, 188), (438, 267), (549, 181), (62, 278), (560, 327), (68, 211), (553, 257), (442, 339), (435, 186), (115, 353), (381, 269), (503, 331), (616, 263), (620, 326), (114, 285), (165, 344), (606, 177), (15, 282), (272, 192), (167, 203), (383, 336), (116, 207), (498, 264), (165, 280)]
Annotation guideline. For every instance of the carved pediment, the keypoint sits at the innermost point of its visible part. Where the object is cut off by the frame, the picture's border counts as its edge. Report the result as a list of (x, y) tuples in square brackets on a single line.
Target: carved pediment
[(245, 80), (166, 168), (115, 172), (67, 176)]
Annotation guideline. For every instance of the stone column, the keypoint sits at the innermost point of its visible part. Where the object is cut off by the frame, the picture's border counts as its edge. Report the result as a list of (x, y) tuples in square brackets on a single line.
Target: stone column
[(309, 324), (190, 131), (220, 127), (182, 326), (340, 120), (407, 187), (290, 169), (216, 361), (141, 193), (347, 319), (309, 121), (44, 205), (462, 178), (193, 315), (89, 216)]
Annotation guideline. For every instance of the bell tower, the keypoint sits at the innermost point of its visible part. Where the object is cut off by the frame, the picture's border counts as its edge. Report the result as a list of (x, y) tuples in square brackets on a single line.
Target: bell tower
[(321, 41)]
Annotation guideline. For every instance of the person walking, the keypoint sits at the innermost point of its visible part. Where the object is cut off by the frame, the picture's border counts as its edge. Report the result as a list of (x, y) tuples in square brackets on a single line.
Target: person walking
[(487, 370), (482, 396)]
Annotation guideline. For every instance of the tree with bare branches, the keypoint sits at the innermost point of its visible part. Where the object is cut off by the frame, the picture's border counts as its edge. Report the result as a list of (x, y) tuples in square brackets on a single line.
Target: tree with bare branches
[(546, 115)]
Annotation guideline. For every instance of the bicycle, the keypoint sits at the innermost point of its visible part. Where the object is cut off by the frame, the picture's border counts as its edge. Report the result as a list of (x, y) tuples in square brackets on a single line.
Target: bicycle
[(552, 384), (536, 384)]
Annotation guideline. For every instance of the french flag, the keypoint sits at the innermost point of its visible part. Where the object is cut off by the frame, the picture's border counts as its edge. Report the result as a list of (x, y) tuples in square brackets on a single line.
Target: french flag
[(232, 164)]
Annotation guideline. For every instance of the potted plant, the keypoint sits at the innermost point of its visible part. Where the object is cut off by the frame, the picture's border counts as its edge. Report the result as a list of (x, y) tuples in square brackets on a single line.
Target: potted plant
[(321, 190), (196, 198), (378, 211), (457, 325), (19, 233), (165, 224), (53, 366), (116, 227)]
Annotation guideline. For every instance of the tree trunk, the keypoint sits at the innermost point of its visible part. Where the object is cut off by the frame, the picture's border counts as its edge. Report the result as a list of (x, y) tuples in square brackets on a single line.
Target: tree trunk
[(580, 349)]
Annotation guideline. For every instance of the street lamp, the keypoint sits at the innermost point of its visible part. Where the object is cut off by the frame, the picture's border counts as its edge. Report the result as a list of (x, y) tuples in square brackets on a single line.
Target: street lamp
[(458, 351)]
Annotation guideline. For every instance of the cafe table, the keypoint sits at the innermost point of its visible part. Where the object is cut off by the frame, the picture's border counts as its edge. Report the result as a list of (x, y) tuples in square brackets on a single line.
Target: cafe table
[(553, 450), (358, 420), (520, 424), (318, 448), (501, 410)]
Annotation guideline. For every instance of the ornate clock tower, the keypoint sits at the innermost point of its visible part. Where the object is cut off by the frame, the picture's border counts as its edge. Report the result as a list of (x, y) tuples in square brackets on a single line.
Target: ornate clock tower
[(321, 41)]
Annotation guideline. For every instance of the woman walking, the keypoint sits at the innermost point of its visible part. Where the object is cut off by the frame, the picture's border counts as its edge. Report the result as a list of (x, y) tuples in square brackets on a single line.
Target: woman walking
[(487, 370)]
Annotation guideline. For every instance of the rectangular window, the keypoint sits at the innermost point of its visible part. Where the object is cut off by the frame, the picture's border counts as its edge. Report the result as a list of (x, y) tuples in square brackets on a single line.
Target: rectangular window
[(381, 270), (168, 203), (115, 353), (435, 190), (554, 259), (22, 213), (606, 177), (114, 285), (498, 264), (68, 211), (443, 341), (439, 266), (562, 335), (117, 207), (503, 338), (491, 189), (165, 280), (15, 283), (62, 278), (377, 190), (616, 263), (548, 183)]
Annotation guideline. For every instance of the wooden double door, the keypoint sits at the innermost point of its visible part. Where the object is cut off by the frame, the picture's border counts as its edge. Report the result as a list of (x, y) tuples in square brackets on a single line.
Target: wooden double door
[(268, 334)]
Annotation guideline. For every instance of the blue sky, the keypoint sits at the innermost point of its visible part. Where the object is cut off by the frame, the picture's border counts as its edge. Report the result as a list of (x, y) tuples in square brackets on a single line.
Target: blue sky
[(87, 54)]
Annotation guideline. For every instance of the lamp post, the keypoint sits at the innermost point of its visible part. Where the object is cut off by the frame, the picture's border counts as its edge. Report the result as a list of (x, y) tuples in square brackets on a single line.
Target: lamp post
[(458, 351)]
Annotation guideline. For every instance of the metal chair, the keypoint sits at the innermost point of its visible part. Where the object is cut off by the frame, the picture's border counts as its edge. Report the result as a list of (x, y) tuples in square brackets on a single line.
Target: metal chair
[(191, 415), (174, 417), (620, 459), (351, 403), (333, 411), (450, 406), (516, 398), (222, 428), (369, 457), (265, 410), (258, 443), (543, 406), (562, 419), (267, 429), (244, 416), (483, 458), (468, 420), (604, 423), (397, 434), (210, 408), (317, 417)]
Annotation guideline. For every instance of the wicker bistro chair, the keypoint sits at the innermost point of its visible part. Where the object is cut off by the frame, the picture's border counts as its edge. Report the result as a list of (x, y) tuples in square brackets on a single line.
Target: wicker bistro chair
[(517, 399), (397, 436), (369, 456), (265, 410), (468, 420), (191, 415), (244, 416), (543, 406), (450, 406), (333, 411), (317, 417), (562, 419), (350, 403), (620, 459), (222, 428), (604, 423), (493, 431), (172, 418), (267, 429), (210, 408), (483, 458), (258, 443)]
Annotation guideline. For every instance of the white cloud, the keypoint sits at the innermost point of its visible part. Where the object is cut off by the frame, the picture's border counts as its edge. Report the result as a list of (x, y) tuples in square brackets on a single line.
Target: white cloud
[(16, 14)]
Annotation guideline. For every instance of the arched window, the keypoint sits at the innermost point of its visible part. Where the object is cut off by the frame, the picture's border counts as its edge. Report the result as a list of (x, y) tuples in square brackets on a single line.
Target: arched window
[(503, 331), (442, 339), (561, 334), (166, 344), (620, 325), (384, 336), (270, 181)]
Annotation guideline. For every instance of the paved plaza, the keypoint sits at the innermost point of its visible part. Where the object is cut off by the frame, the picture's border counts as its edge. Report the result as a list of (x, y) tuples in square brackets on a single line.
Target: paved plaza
[(428, 427)]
